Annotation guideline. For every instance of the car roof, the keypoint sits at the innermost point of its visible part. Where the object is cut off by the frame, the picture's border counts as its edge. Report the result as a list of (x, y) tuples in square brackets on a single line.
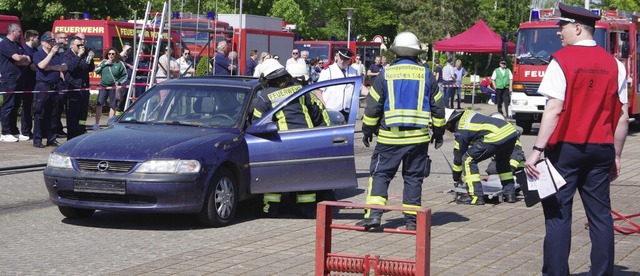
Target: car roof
[(215, 80)]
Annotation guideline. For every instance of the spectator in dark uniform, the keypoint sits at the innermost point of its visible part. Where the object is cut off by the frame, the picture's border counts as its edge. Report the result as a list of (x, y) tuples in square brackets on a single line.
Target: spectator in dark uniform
[(85, 94), (251, 63), (61, 98), (30, 46), (50, 66), (583, 130), (222, 65), (13, 61), (74, 79)]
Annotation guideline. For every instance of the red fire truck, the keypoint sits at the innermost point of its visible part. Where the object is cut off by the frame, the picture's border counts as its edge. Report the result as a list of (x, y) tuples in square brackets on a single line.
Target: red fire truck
[(262, 33), (324, 49), (103, 34), (617, 32), (197, 32)]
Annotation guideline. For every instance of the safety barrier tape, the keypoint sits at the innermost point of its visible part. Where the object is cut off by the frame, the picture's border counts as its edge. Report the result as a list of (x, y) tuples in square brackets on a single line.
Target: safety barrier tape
[(64, 90)]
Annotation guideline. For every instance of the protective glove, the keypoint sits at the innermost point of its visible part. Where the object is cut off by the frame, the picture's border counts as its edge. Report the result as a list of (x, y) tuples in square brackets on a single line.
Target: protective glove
[(457, 176), (367, 132), (366, 140), (436, 137)]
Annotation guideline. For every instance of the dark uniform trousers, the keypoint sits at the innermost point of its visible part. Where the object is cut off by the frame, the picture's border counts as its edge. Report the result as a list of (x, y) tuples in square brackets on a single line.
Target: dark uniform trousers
[(10, 104), (26, 116), (481, 151), (385, 161), (43, 104), (60, 101), (74, 109), (585, 168)]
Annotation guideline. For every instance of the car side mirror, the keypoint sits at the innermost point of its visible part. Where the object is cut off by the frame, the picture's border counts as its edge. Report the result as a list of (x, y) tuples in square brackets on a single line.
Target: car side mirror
[(266, 128)]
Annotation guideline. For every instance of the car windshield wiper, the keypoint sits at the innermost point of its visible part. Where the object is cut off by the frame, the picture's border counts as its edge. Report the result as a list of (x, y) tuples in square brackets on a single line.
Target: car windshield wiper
[(132, 121), (178, 123)]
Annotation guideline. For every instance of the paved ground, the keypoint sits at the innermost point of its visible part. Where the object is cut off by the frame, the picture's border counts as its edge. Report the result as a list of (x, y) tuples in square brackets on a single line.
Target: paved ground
[(494, 239)]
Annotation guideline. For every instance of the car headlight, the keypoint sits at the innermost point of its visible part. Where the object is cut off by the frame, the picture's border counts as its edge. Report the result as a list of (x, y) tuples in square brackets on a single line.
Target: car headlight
[(59, 161), (169, 166)]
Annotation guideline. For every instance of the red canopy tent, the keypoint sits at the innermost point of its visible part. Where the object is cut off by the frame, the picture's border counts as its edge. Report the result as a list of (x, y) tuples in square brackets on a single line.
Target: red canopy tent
[(477, 39)]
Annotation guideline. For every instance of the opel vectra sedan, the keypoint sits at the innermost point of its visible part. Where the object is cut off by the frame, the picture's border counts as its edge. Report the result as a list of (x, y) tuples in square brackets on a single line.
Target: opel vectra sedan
[(189, 146)]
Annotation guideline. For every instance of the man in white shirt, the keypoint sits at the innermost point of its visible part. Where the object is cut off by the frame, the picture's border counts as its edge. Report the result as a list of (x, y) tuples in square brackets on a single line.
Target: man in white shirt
[(338, 97), (295, 58)]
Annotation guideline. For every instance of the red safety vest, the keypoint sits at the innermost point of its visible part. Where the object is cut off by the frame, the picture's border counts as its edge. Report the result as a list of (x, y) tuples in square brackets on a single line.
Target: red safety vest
[(591, 106)]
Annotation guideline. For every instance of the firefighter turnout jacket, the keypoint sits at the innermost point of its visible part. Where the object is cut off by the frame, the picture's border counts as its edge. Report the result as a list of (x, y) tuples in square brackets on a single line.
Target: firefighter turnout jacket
[(306, 111), (474, 128), (403, 103)]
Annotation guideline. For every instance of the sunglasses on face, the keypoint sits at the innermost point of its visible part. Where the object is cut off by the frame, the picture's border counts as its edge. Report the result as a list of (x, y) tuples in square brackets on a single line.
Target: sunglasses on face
[(295, 53), (111, 54)]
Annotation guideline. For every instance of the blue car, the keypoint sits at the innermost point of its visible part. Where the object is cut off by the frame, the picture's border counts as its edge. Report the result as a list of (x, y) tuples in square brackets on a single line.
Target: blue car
[(189, 146)]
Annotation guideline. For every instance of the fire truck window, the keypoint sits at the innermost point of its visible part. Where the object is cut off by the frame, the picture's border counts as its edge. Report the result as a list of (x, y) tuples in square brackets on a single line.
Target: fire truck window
[(118, 42), (95, 44)]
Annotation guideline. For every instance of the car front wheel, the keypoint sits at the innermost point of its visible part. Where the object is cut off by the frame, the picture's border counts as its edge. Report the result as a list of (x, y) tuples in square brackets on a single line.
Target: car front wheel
[(75, 213), (221, 202)]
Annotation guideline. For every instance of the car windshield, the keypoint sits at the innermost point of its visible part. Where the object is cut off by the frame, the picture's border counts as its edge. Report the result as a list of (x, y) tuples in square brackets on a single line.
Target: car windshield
[(191, 105)]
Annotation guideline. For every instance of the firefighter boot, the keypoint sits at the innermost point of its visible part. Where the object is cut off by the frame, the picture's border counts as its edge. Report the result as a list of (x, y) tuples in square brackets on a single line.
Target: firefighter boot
[(475, 195), (368, 223), (307, 210), (410, 222), (468, 199), (509, 191), (271, 205)]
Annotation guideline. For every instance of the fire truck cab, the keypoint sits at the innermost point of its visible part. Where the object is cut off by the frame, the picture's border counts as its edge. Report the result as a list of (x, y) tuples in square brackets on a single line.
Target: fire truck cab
[(102, 34), (617, 32)]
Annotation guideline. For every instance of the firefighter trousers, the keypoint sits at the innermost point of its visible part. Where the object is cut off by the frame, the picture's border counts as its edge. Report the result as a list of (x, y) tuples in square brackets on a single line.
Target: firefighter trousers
[(481, 151), (385, 161)]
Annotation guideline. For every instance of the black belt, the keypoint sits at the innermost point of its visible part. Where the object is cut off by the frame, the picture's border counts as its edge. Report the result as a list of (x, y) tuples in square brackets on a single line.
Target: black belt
[(51, 86)]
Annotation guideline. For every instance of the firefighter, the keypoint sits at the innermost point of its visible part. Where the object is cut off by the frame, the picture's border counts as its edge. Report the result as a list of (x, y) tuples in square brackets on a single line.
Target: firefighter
[(402, 105), (516, 162), (477, 138), (306, 111)]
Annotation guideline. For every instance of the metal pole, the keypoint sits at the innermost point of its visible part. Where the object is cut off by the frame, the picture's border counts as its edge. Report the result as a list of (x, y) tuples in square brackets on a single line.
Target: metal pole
[(349, 30)]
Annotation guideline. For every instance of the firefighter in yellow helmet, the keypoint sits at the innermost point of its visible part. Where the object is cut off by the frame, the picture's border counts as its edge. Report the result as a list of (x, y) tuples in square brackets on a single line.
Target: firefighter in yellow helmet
[(403, 105), (477, 138), (306, 111)]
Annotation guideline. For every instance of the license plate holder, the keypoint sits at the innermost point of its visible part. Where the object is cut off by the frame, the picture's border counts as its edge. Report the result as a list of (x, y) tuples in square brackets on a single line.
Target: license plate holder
[(117, 187)]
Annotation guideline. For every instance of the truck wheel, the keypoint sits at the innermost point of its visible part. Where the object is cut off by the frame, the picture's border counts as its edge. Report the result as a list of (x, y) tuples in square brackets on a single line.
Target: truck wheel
[(525, 125), (222, 200), (75, 213)]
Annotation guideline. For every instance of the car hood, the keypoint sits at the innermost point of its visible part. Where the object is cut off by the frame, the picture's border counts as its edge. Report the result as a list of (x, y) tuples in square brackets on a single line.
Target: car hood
[(141, 142)]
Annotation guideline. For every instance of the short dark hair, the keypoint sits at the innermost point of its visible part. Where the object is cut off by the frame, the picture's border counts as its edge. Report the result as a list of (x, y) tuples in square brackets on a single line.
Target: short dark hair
[(30, 33)]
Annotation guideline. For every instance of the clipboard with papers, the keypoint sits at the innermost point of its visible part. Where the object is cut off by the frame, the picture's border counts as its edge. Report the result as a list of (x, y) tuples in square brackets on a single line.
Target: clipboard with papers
[(547, 184)]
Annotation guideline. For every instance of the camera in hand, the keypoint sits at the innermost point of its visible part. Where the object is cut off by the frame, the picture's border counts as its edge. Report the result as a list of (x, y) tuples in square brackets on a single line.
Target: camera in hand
[(61, 47)]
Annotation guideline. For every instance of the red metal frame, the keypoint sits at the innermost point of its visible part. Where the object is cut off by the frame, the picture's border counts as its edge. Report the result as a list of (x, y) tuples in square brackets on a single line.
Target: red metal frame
[(327, 262)]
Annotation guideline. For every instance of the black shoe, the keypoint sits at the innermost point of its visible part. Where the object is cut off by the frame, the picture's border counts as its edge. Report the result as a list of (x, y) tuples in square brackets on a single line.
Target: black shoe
[(369, 223), (410, 226), (510, 198), (470, 200), (38, 145), (53, 144)]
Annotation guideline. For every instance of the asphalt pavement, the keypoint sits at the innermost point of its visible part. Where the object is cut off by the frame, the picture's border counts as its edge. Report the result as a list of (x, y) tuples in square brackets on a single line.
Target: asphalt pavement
[(494, 239)]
